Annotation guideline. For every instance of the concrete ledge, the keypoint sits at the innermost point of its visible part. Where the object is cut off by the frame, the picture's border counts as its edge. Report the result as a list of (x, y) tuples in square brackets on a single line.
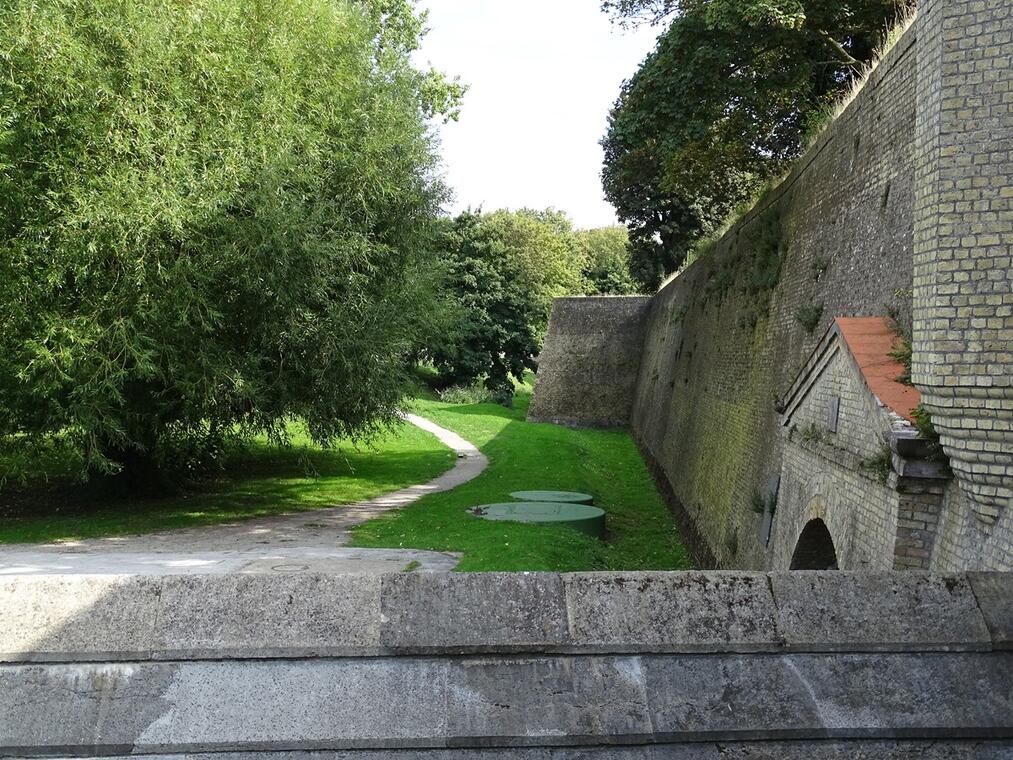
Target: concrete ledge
[(797, 750), (487, 612), (994, 594), (671, 612), (138, 618), (411, 702)]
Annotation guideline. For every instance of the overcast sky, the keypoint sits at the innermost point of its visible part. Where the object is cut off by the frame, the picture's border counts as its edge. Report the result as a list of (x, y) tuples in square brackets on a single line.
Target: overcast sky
[(543, 75)]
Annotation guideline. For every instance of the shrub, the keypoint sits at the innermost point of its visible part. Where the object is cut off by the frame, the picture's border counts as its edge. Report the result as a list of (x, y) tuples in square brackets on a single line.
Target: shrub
[(809, 316), (469, 394)]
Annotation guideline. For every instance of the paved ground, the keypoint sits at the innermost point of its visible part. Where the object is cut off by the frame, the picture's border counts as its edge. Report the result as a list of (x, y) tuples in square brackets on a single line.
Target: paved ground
[(305, 541)]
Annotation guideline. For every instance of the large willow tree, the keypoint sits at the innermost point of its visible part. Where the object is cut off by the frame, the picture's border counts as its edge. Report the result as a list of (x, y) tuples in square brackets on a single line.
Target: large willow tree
[(211, 215)]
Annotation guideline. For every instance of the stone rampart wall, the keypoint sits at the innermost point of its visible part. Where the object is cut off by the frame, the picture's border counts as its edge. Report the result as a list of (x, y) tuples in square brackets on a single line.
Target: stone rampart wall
[(726, 338), (588, 368)]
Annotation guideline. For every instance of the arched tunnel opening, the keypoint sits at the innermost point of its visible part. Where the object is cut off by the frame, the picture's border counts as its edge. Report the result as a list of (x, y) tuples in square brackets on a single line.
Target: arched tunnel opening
[(815, 548)]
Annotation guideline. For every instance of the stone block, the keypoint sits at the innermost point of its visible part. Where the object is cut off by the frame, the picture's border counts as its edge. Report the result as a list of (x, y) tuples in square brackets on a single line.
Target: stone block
[(277, 615), (916, 749), (548, 700), (742, 697), (994, 592), (111, 708), (77, 617), (478, 612), (671, 612), (877, 612), (866, 750)]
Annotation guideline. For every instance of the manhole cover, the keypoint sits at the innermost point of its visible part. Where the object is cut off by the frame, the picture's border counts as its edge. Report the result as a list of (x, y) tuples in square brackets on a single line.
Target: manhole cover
[(590, 520), (290, 568), (564, 497)]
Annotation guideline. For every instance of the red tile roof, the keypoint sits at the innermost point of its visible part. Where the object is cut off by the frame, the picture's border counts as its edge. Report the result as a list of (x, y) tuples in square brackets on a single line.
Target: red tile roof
[(870, 340)]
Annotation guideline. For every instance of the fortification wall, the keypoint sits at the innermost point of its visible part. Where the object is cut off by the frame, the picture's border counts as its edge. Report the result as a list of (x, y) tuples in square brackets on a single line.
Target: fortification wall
[(693, 666), (904, 208), (588, 369), (726, 337)]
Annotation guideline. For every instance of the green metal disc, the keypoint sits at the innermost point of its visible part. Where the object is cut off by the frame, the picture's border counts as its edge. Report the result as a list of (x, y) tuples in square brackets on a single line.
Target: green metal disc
[(590, 520), (559, 497)]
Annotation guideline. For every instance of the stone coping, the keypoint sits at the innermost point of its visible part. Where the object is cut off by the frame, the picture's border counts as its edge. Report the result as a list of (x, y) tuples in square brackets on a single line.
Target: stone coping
[(114, 708), (216, 617)]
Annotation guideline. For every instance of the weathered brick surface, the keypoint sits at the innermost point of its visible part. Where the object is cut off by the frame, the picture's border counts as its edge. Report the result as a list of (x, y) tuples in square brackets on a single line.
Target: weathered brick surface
[(720, 348), (588, 368), (963, 327)]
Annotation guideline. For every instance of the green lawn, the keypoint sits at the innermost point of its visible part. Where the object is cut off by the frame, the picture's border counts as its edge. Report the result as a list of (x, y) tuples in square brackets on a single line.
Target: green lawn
[(523, 455), (258, 480), (261, 479)]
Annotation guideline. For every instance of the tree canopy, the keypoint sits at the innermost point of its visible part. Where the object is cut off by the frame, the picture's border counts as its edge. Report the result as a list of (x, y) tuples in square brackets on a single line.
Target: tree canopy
[(721, 105), (213, 217), (503, 270)]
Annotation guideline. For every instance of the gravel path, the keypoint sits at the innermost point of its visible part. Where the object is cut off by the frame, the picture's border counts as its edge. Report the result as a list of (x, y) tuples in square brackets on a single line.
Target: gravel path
[(299, 542)]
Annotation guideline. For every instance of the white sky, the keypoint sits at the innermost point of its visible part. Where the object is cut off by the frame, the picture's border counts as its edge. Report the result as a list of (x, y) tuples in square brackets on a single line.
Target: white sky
[(543, 75)]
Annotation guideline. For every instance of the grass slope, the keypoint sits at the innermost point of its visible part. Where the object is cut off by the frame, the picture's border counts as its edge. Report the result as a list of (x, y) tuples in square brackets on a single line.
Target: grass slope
[(523, 455), (258, 480)]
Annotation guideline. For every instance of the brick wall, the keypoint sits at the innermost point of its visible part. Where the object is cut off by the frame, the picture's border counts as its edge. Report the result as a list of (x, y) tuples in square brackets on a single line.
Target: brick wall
[(827, 474), (963, 327), (903, 207), (724, 339)]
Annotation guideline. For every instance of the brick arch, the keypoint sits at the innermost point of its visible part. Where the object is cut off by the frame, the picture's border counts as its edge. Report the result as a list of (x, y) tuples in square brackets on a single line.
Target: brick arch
[(815, 549)]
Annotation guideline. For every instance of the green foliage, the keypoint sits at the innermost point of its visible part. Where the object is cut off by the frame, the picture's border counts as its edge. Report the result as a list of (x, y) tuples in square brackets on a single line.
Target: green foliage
[(494, 330), (768, 250), (902, 353), (212, 218), (923, 422), (721, 105), (809, 316), (879, 466), (812, 434), (503, 271), (540, 247), (761, 502), (606, 258), (468, 394)]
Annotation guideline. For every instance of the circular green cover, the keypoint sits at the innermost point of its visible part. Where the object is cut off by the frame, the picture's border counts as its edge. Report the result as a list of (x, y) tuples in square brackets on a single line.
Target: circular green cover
[(556, 496), (590, 520)]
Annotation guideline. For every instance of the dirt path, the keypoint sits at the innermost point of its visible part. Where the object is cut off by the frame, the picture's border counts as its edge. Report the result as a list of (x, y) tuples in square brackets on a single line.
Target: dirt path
[(298, 542)]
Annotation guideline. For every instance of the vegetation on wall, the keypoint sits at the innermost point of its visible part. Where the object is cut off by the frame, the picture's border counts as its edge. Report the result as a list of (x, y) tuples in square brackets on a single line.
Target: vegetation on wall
[(722, 105), (809, 316), (212, 217)]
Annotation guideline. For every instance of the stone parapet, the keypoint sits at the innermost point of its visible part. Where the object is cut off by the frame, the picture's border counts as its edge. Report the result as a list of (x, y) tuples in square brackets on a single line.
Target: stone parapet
[(816, 665)]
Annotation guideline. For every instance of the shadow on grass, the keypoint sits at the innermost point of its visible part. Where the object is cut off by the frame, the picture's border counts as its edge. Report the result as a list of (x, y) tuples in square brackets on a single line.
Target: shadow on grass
[(258, 481)]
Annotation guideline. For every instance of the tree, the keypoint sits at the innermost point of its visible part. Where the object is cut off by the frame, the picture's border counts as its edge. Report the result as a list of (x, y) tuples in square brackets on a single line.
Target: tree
[(540, 247), (605, 255), (722, 104), (212, 218), (494, 332)]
